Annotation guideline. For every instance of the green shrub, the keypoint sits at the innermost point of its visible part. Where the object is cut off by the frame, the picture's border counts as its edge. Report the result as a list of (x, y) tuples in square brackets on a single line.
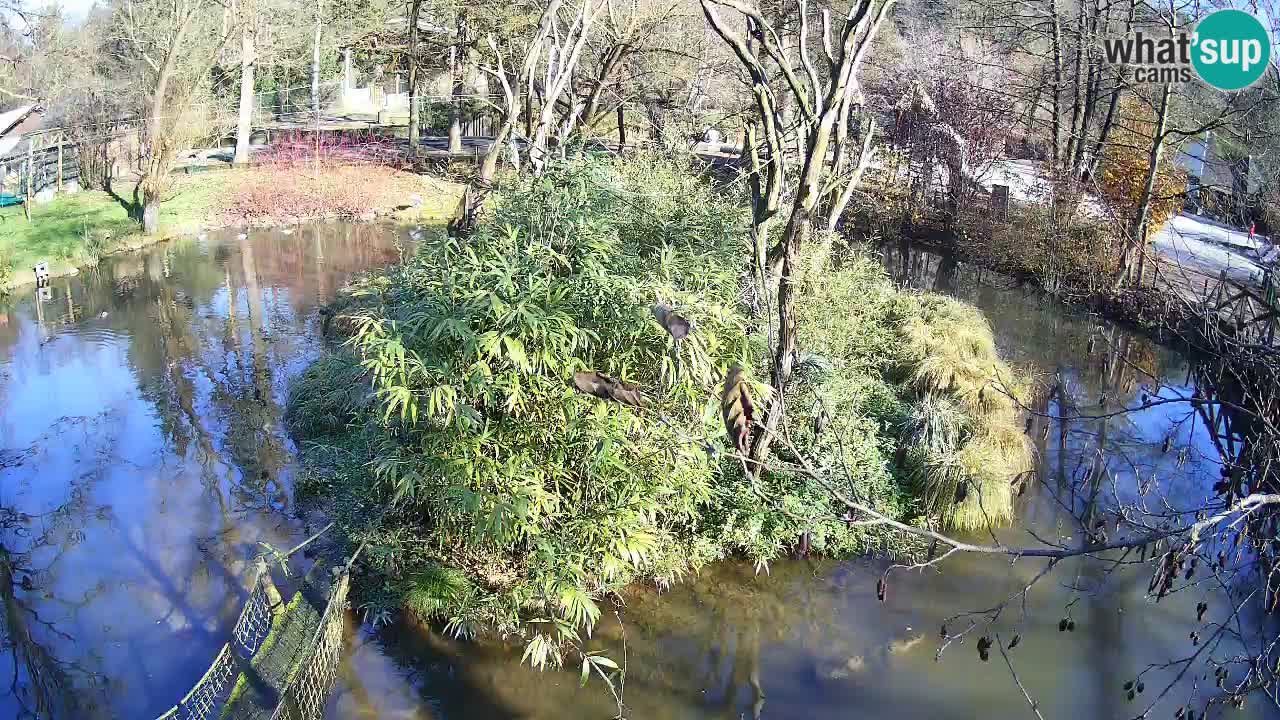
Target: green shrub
[(492, 494), (539, 496), (6, 269)]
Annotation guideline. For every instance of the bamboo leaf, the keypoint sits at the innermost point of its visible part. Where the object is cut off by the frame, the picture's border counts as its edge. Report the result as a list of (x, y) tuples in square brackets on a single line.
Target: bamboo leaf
[(604, 661)]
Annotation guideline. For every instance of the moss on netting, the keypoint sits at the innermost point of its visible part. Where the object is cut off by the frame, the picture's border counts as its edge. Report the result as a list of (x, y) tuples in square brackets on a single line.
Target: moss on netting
[(276, 660)]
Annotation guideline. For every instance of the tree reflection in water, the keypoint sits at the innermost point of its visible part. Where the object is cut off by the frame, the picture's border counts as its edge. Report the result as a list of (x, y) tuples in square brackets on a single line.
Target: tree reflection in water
[(143, 458)]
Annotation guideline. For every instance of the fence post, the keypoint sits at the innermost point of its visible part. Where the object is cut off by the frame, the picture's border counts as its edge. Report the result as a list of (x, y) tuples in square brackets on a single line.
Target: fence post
[(29, 191), (274, 600), (59, 166), (622, 130)]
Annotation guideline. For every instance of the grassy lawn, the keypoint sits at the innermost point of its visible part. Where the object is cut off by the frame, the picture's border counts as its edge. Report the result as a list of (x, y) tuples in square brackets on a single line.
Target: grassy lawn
[(75, 230), (58, 229)]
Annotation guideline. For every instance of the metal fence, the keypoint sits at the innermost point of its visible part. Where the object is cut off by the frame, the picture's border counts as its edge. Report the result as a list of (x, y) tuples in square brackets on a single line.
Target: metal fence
[(478, 115), (205, 698), (308, 689), (295, 104), (254, 623), (1253, 312)]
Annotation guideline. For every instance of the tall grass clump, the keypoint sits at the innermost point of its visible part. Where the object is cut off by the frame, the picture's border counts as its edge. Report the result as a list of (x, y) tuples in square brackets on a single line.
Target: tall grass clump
[(967, 475), (923, 369)]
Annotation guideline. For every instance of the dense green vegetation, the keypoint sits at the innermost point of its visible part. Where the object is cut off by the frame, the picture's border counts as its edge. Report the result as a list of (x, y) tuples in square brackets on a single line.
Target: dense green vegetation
[(448, 434)]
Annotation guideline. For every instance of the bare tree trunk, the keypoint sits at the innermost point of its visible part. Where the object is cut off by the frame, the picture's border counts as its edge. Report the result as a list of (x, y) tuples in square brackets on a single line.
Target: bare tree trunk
[(822, 108), (865, 154), (1079, 162), (1077, 102), (591, 113), (1108, 120), (1056, 98), (474, 196), (248, 58), (414, 112), (315, 63), (1138, 225), (457, 89), (1094, 79), (568, 50), (148, 192), (764, 201)]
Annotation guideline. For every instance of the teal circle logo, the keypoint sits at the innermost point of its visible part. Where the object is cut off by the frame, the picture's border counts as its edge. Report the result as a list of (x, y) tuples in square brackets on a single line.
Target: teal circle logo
[(1231, 49)]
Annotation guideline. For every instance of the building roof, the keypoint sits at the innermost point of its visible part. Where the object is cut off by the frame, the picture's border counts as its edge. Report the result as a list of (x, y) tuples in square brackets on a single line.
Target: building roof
[(13, 133), (11, 118)]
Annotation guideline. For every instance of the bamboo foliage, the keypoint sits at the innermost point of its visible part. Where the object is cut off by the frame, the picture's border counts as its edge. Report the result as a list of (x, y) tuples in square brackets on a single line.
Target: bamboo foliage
[(507, 413)]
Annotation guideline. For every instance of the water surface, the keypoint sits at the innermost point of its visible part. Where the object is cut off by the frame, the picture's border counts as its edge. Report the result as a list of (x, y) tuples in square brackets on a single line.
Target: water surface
[(143, 460)]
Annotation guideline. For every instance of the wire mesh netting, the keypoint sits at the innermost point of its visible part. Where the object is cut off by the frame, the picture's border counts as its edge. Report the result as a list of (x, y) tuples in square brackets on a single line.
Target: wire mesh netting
[(255, 619), (207, 696), (308, 690)]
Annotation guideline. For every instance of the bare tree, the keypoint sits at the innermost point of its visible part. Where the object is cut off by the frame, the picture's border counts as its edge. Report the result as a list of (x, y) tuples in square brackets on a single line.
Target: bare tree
[(550, 54), (170, 48), (248, 60), (823, 99)]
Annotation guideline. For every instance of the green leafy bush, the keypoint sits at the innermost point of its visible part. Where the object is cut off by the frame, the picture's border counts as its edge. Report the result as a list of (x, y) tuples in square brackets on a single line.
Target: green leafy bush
[(541, 496), (6, 269), (452, 438)]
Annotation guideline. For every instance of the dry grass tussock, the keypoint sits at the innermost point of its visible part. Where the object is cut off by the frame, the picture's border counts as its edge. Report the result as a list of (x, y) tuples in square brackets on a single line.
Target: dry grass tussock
[(283, 193), (951, 358), (952, 404)]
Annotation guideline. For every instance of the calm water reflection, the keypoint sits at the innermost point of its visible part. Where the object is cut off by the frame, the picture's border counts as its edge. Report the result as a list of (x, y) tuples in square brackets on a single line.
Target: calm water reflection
[(810, 640), (142, 458)]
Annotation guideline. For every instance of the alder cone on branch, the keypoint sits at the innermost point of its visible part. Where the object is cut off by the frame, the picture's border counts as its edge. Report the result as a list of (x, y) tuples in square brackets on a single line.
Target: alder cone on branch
[(737, 409), (607, 387)]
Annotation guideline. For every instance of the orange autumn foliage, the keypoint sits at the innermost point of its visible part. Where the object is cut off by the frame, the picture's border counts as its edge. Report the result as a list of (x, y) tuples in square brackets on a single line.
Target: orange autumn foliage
[(1122, 174)]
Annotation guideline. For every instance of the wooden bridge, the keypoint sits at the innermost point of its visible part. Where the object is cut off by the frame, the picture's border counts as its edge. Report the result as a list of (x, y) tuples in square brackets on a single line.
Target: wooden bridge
[(282, 659), (1250, 310)]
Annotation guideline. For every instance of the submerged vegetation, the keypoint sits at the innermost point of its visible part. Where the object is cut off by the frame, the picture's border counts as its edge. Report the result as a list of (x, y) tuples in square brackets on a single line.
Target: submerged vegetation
[(524, 421)]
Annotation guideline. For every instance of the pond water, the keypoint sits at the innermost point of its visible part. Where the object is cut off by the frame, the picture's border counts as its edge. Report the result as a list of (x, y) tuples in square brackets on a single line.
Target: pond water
[(143, 460)]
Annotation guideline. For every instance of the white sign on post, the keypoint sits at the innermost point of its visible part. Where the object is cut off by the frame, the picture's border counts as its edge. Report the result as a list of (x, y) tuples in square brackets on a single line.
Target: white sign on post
[(42, 274)]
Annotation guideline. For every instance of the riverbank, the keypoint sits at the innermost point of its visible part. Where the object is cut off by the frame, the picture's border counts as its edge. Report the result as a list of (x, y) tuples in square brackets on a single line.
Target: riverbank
[(1168, 308), (77, 230)]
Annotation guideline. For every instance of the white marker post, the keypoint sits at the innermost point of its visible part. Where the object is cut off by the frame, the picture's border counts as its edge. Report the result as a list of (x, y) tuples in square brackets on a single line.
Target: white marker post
[(42, 274)]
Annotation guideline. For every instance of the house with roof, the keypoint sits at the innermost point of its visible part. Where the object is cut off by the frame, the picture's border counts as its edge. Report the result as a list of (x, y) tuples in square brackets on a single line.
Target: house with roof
[(24, 140), (1223, 178), (15, 124)]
